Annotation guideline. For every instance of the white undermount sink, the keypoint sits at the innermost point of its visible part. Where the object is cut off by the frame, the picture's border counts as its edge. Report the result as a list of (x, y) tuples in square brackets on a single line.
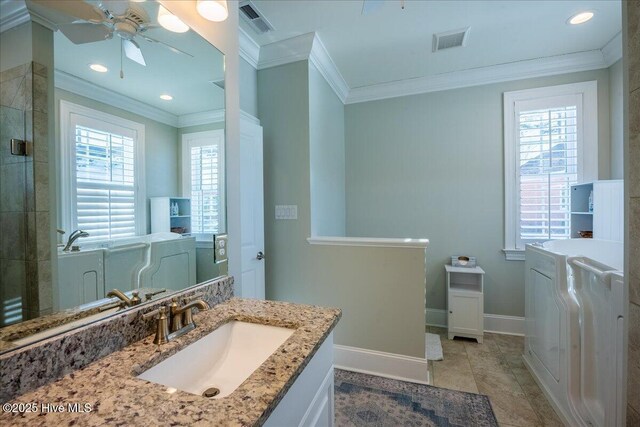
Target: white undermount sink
[(220, 360)]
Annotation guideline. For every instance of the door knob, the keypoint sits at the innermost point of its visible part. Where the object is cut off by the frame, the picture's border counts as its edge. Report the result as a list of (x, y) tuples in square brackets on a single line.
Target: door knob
[(260, 256)]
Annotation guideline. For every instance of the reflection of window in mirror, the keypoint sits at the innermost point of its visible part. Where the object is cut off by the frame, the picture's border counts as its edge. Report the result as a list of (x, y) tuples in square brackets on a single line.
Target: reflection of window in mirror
[(203, 181), (103, 173)]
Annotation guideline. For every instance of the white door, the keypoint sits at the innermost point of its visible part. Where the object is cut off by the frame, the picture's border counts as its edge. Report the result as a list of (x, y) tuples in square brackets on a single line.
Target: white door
[(251, 210)]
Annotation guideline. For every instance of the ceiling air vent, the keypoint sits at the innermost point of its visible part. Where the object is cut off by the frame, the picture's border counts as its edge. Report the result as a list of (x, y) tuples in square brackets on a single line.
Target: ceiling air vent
[(449, 39), (254, 18)]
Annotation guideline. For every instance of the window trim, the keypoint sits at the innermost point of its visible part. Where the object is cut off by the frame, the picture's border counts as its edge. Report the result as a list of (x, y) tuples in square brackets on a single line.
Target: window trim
[(185, 165), (67, 163), (587, 151)]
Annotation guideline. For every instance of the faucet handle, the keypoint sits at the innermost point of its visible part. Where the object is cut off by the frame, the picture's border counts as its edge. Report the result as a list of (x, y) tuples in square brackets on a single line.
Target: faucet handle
[(162, 328), (190, 298), (149, 295), (160, 311)]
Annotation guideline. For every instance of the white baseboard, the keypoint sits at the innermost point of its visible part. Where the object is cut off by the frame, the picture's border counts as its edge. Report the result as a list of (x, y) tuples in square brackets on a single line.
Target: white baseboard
[(494, 323), (388, 365), (508, 325)]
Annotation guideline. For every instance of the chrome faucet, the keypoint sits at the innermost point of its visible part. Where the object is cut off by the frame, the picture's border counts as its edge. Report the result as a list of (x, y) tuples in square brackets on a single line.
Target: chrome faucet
[(72, 238), (128, 302), (180, 321)]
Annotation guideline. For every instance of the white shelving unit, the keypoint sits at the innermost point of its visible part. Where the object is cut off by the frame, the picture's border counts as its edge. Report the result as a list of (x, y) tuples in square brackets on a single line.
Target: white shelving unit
[(465, 302), (606, 218), (162, 220)]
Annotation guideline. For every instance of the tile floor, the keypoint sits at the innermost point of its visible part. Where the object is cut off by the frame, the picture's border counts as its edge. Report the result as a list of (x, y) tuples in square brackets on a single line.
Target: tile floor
[(494, 368)]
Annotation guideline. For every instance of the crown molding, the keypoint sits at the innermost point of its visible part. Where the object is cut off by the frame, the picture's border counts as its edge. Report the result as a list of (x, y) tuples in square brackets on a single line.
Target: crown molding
[(201, 118), (325, 65), (612, 51), (71, 83), (561, 64), (286, 51), (15, 12), (12, 14), (249, 49)]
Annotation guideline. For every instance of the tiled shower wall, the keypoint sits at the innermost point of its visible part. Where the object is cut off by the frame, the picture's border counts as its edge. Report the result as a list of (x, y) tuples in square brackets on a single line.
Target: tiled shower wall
[(632, 176), (25, 254)]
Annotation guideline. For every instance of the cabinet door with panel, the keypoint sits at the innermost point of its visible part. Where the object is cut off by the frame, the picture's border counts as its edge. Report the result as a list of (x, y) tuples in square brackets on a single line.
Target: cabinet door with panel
[(465, 313)]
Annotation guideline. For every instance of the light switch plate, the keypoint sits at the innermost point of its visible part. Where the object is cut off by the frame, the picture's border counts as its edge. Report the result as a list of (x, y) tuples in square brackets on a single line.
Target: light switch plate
[(286, 211), (220, 248)]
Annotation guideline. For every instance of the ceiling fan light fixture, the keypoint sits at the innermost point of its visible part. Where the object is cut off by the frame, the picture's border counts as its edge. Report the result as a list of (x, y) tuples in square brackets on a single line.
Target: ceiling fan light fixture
[(98, 68), (213, 10), (580, 18), (170, 21), (166, 97)]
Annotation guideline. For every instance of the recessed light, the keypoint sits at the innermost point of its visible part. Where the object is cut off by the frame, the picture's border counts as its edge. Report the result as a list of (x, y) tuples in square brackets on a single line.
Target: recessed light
[(580, 18), (166, 97), (99, 68), (170, 21)]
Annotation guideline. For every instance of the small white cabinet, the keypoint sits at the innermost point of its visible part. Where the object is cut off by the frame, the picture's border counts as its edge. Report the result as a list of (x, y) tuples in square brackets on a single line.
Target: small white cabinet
[(465, 302)]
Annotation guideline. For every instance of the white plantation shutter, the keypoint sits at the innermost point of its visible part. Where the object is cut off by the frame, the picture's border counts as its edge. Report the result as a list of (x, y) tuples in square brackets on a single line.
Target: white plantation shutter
[(205, 189), (548, 165), (105, 184), (203, 181), (550, 143), (102, 169)]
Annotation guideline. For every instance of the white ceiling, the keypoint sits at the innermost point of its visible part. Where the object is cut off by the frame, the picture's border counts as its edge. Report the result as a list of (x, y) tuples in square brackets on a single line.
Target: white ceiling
[(392, 44), (187, 79)]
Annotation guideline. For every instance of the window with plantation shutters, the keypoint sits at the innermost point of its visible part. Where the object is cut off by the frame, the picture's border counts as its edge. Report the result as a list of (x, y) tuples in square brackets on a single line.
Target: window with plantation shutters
[(203, 181), (550, 145), (102, 174)]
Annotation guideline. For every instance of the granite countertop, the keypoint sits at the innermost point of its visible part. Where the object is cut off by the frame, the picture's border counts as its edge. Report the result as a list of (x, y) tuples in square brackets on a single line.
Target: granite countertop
[(110, 389)]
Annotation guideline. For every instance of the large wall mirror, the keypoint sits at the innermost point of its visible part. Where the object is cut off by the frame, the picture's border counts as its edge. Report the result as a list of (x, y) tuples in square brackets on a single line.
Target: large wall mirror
[(132, 145)]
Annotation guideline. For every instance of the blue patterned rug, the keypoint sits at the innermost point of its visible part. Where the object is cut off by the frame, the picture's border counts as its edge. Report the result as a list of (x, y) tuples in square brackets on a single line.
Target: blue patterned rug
[(370, 401)]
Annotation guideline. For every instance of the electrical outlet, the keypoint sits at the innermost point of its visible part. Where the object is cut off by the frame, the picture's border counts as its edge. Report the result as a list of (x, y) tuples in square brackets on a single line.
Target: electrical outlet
[(220, 252), (286, 211)]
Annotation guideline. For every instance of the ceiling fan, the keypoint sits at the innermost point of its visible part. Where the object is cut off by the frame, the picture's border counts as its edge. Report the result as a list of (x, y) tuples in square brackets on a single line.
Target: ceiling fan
[(372, 6), (94, 23)]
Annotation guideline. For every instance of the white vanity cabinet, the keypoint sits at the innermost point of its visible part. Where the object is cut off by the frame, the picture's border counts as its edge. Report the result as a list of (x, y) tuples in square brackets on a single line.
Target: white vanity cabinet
[(309, 401), (465, 302)]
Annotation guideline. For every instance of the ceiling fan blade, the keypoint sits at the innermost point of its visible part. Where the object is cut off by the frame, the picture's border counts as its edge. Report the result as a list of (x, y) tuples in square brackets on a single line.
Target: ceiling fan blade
[(73, 8), (371, 6), (85, 33), (171, 48), (133, 52)]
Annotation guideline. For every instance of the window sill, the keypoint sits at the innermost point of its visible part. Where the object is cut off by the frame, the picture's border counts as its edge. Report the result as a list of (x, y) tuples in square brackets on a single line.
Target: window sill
[(514, 254)]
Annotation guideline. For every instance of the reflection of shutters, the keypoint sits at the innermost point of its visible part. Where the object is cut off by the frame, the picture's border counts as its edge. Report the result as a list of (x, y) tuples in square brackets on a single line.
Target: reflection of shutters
[(205, 189), (548, 166), (105, 187)]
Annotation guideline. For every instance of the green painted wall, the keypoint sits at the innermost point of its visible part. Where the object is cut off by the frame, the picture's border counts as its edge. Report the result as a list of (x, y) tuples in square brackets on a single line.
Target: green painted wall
[(431, 166), (381, 290), (326, 152)]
